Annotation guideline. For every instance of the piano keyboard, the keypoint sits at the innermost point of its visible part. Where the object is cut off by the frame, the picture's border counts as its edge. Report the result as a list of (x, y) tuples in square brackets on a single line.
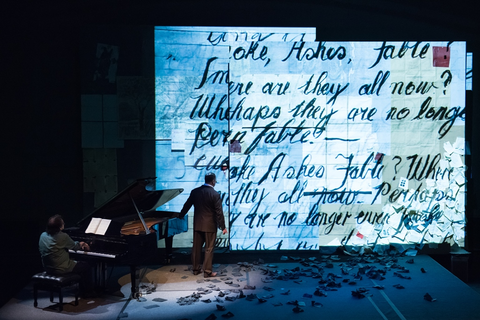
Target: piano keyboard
[(95, 254)]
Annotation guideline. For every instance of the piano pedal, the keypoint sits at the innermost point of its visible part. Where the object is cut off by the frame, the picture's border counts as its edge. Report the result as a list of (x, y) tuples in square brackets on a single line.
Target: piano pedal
[(168, 259), (137, 296)]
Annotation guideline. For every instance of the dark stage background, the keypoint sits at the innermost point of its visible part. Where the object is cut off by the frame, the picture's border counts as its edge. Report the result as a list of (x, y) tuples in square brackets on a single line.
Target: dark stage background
[(45, 46)]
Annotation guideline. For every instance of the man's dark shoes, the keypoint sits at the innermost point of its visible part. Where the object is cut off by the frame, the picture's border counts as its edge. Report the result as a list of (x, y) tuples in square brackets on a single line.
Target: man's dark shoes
[(210, 275), (196, 272)]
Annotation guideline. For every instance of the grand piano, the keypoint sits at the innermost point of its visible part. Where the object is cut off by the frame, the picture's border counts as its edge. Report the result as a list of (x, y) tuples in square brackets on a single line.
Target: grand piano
[(132, 228)]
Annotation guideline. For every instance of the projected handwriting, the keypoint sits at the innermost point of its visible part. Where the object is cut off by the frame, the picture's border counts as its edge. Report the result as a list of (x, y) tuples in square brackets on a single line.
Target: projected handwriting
[(209, 107), (214, 38), (429, 169), (214, 163), (344, 197), (304, 170), (439, 114), (422, 87), (273, 167), (321, 88), (252, 53), (243, 172), (288, 37), (392, 52), (424, 173), (355, 172), (364, 113), (278, 122), (396, 165), (448, 79), (411, 87), (427, 112), (330, 220), (286, 219), (295, 195), (395, 114), (205, 135), (295, 134), (304, 245), (222, 77), (370, 217), (260, 218), (280, 88), (310, 111), (234, 215), (323, 53), (247, 194), (385, 189), (376, 85)]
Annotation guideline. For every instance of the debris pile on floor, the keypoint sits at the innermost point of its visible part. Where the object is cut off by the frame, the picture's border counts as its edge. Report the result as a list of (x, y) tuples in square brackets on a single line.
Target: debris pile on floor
[(354, 271)]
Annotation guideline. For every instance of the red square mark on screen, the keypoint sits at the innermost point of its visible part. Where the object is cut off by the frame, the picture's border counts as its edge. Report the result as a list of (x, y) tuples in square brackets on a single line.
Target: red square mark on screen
[(441, 57)]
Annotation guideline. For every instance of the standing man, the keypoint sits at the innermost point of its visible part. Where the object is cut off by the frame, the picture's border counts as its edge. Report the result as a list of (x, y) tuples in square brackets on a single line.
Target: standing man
[(207, 217)]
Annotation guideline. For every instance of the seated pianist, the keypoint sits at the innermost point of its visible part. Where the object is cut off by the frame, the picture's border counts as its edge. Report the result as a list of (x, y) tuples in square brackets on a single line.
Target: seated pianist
[(54, 245)]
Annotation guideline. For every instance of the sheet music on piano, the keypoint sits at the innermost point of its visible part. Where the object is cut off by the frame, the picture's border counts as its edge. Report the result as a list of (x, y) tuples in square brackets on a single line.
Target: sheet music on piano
[(98, 226)]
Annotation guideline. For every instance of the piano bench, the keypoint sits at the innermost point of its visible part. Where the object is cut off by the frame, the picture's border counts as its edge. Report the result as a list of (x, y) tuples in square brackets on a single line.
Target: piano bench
[(47, 282)]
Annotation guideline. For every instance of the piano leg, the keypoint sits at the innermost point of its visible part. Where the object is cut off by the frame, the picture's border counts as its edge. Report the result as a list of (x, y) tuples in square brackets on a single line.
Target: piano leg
[(133, 277), (101, 276), (168, 249)]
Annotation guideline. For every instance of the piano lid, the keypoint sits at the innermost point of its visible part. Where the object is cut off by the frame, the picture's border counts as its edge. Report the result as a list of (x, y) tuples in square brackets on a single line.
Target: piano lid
[(122, 204)]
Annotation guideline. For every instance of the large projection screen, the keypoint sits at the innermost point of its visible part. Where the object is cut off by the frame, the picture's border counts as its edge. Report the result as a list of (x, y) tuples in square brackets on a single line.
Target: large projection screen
[(314, 143)]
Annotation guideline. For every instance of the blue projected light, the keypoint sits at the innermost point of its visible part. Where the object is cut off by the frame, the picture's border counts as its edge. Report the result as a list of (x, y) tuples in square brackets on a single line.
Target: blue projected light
[(314, 143)]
